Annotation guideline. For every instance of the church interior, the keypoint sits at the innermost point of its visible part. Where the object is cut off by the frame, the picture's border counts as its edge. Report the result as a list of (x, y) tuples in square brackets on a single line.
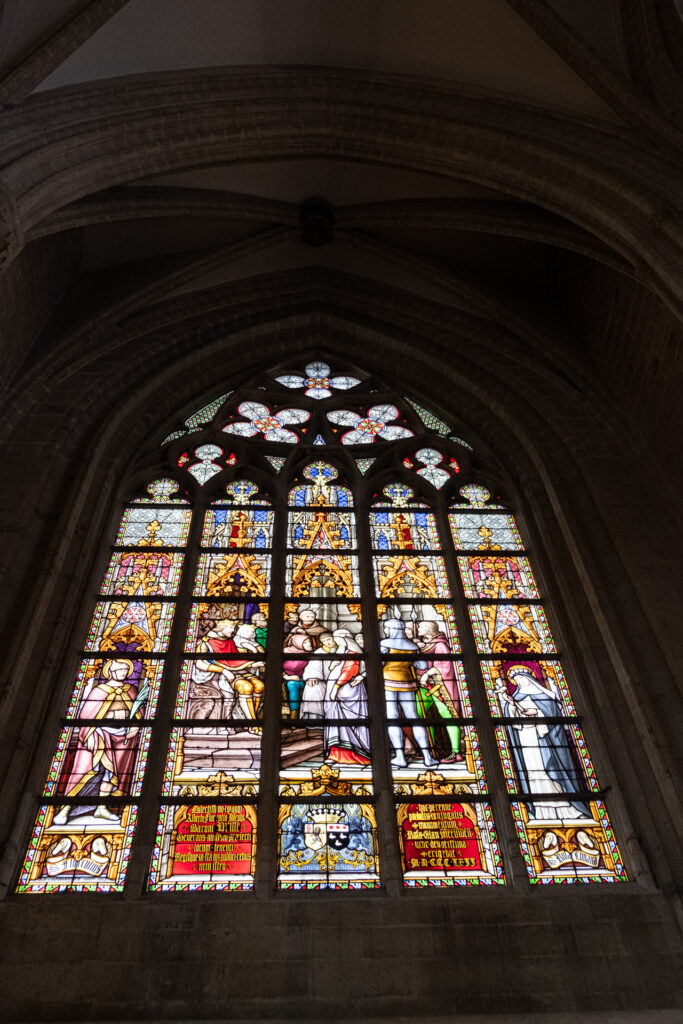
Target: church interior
[(476, 203)]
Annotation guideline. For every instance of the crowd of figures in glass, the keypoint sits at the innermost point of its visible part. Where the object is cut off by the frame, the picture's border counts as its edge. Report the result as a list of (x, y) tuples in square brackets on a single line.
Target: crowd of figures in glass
[(325, 738), (318, 588)]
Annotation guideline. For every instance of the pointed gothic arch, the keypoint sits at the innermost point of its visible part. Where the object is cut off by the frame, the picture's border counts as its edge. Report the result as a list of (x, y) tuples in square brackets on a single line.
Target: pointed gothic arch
[(319, 571)]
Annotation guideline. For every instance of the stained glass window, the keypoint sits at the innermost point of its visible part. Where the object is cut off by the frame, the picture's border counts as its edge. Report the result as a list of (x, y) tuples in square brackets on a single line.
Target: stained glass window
[(283, 639)]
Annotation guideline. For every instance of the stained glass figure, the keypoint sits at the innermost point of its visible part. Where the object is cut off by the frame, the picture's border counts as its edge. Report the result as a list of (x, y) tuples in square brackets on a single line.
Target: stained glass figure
[(440, 616), (328, 846), (205, 846), (431, 468), (430, 421), (376, 422), (447, 844), (119, 684), (563, 828), (326, 670), (229, 687), (237, 528), (97, 761), (258, 419), (318, 382), (549, 674), (321, 620), (228, 627)]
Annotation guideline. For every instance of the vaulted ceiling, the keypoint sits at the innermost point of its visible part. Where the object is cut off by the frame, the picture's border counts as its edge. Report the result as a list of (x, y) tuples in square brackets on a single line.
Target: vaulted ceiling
[(518, 155)]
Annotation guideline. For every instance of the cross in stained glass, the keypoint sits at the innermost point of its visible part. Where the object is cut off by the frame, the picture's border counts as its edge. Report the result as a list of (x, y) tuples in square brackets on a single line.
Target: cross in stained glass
[(242, 491), (400, 494)]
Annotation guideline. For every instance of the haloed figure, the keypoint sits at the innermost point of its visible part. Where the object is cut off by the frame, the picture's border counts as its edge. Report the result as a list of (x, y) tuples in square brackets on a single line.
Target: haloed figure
[(105, 758), (400, 688)]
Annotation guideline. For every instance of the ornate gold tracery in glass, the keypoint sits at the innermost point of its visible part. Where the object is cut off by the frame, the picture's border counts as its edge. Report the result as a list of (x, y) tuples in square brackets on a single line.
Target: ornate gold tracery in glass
[(393, 569)]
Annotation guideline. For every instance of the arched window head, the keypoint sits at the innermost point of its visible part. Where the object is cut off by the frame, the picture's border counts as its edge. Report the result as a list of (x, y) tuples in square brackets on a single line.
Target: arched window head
[(319, 659)]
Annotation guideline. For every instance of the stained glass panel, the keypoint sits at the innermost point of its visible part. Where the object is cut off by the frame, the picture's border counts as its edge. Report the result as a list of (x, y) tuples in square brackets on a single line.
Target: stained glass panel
[(497, 577), (326, 760), (87, 851), (558, 851), (497, 627), (403, 530), (129, 626), (322, 576), (116, 687), (440, 759), (447, 844), (484, 531), (238, 528), (231, 687), (220, 761), (233, 575), (376, 422), (204, 847), (147, 572), (550, 684), (438, 619), (165, 490), (321, 529), (227, 628), (430, 421), (97, 761), (320, 488), (319, 687), (320, 621), (545, 758), (147, 526), (327, 846), (406, 576)]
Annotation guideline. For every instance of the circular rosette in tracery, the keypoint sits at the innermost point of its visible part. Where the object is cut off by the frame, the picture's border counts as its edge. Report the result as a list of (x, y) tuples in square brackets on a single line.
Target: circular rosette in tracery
[(317, 382), (258, 419), (375, 423)]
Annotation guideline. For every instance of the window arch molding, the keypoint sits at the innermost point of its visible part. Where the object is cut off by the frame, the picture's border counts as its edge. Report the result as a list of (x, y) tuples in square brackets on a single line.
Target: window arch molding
[(216, 460)]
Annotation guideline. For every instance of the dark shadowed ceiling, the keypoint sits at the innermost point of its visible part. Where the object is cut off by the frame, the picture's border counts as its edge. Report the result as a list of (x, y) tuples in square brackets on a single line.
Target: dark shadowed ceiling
[(547, 73)]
